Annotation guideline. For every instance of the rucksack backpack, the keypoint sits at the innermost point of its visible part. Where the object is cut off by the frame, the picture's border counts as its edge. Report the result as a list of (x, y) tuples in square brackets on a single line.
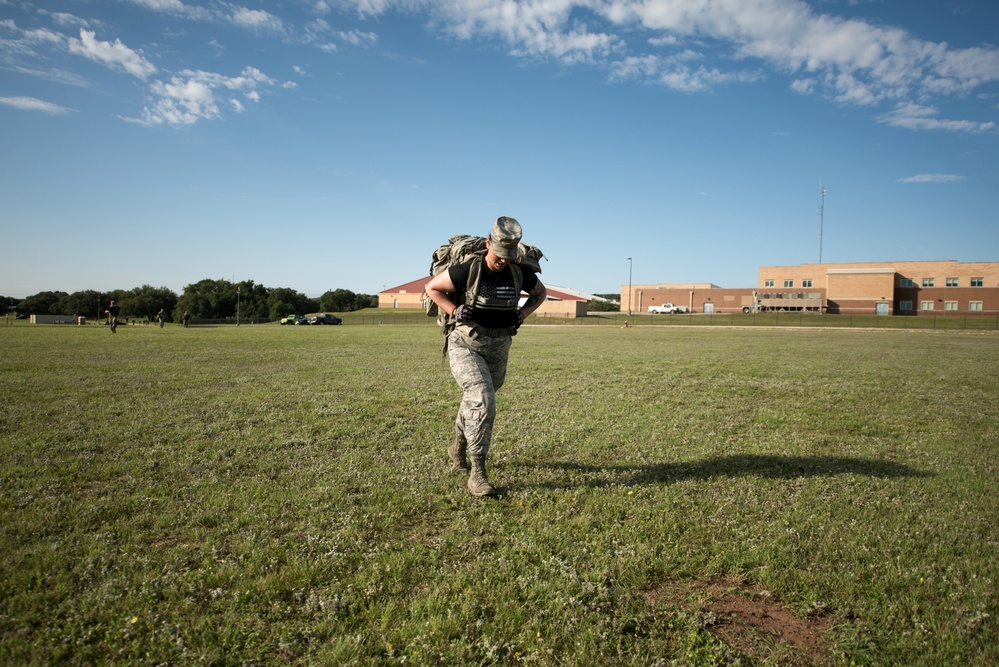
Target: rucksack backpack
[(461, 248)]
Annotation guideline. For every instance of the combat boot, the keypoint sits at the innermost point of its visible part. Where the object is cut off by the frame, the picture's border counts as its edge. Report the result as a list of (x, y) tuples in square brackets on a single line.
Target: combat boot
[(478, 485), (457, 451)]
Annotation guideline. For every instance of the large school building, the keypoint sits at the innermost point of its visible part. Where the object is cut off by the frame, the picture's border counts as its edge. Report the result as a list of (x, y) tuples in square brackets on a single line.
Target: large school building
[(874, 288)]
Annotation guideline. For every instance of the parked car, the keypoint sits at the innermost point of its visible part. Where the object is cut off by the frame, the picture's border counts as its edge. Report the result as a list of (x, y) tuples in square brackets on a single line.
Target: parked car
[(291, 319), (303, 320), (325, 318)]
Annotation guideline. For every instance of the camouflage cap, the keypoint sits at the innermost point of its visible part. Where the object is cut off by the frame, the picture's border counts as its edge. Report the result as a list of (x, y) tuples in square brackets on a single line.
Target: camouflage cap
[(505, 238)]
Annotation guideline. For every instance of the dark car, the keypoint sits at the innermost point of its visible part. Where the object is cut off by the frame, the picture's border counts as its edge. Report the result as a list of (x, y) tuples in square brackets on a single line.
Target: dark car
[(302, 320), (325, 318)]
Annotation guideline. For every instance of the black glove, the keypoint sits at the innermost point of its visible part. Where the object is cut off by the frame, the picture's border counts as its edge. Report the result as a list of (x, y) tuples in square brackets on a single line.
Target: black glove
[(520, 319), (462, 313)]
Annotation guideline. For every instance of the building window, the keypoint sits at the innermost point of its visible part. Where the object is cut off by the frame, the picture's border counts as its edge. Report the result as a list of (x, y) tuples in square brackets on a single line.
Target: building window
[(927, 282), (952, 282), (925, 305), (806, 283), (905, 282), (768, 283), (788, 283), (950, 305), (905, 305), (974, 305), (977, 282)]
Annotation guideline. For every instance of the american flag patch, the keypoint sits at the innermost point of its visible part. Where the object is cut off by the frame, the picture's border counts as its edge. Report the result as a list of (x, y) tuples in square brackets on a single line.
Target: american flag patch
[(503, 292)]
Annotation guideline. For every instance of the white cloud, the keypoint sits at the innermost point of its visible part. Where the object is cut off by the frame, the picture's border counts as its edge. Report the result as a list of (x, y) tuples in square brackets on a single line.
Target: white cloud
[(914, 116), (322, 34), (181, 102), (114, 55), (803, 86), (191, 96), (256, 19), (667, 40), (176, 7), (675, 72), (686, 45), (66, 20), (33, 104), (931, 178), (542, 28), (852, 61)]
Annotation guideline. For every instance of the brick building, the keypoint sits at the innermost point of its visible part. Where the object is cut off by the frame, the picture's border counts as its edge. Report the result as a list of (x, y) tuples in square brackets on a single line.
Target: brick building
[(886, 288), (697, 297), (883, 288)]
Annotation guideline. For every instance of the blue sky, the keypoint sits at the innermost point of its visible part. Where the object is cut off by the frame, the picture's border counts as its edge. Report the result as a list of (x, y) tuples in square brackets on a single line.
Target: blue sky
[(323, 144)]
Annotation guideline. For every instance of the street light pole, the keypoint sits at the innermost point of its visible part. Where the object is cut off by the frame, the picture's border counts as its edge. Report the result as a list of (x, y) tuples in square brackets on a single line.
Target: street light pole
[(237, 305), (629, 286)]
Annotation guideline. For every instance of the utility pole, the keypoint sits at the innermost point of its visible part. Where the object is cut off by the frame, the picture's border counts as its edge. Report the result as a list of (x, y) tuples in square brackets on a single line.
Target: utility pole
[(629, 287)]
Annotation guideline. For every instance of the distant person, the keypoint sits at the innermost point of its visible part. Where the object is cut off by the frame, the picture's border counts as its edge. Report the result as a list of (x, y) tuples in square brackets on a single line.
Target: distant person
[(479, 346), (186, 317), (161, 316), (112, 312)]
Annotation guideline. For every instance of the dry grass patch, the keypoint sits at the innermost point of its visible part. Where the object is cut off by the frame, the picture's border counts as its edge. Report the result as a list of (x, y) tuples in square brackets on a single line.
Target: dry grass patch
[(746, 618)]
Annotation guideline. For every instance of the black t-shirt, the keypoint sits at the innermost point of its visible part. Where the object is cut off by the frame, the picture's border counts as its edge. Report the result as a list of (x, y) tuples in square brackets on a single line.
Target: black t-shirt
[(493, 285), (114, 310)]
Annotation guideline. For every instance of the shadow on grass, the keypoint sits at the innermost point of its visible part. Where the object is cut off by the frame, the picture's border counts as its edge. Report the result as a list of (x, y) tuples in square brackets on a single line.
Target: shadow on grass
[(737, 465)]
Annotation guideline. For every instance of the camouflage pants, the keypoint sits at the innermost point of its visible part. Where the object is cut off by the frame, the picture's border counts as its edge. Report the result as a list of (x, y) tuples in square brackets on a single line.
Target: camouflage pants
[(478, 363)]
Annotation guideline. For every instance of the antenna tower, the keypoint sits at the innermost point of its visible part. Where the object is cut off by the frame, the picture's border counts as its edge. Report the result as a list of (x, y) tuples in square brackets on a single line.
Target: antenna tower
[(822, 206)]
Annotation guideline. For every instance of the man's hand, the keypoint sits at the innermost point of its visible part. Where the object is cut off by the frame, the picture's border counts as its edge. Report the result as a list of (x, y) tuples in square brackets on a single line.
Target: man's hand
[(462, 313), (520, 319)]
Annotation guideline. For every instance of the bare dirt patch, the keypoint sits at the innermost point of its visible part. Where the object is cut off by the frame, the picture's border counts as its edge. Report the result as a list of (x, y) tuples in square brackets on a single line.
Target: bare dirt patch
[(746, 618)]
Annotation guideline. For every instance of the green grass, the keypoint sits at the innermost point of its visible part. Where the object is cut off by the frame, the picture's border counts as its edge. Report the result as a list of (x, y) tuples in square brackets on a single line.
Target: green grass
[(276, 495), (965, 321)]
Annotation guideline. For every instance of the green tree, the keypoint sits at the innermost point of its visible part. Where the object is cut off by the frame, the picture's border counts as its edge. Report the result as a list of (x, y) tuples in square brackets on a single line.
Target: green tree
[(43, 303), (253, 301), (209, 299), (10, 303), (284, 301), (86, 302), (611, 305), (343, 300), (144, 302)]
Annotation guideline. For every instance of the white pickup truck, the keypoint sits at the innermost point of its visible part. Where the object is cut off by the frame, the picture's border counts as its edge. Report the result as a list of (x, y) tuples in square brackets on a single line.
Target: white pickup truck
[(667, 308)]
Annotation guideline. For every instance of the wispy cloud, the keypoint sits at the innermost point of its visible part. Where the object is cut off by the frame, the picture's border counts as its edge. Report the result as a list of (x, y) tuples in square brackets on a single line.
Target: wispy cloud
[(692, 46), (114, 55), (320, 33), (191, 96), (182, 98), (851, 61), (914, 116), (176, 8), (257, 19), (931, 178), (33, 104)]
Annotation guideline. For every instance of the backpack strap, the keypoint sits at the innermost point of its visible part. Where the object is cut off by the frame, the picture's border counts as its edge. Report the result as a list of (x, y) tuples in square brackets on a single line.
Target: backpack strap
[(474, 278), (471, 291)]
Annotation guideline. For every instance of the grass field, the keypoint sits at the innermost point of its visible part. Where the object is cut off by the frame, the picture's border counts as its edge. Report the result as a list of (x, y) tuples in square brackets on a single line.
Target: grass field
[(670, 495)]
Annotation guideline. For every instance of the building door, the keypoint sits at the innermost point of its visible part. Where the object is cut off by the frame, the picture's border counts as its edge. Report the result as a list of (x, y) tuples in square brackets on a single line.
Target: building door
[(709, 307), (881, 309)]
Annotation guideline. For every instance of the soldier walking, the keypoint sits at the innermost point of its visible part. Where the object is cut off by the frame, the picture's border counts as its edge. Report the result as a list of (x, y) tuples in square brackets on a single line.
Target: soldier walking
[(479, 346)]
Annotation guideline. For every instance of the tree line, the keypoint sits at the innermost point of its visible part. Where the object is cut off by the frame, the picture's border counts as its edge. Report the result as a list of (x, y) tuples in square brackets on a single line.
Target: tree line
[(207, 299)]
